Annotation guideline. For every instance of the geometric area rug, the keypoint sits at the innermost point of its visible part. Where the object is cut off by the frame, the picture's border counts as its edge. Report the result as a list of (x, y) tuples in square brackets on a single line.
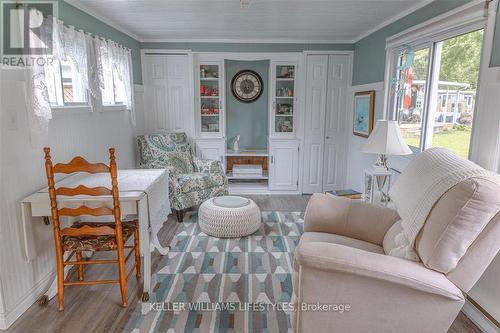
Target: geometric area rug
[(208, 284)]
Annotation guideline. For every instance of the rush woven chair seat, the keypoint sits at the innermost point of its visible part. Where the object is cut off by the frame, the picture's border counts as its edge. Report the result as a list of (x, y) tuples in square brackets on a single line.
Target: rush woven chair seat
[(95, 235)]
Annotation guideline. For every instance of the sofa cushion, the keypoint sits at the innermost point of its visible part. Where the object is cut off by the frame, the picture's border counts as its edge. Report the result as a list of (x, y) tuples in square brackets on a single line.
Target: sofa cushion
[(390, 237), (323, 237), (199, 180), (455, 221)]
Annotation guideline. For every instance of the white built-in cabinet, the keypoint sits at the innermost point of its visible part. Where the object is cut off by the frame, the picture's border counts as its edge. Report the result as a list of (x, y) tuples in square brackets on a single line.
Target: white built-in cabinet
[(283, 165), (307, 112), (283, 99), (326, 123), (167, 93), (211, 149), (210, 98)]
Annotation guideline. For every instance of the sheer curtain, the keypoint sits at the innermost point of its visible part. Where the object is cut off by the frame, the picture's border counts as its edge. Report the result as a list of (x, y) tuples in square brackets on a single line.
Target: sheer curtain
[(39, 111), (121, 60), (91, 57)]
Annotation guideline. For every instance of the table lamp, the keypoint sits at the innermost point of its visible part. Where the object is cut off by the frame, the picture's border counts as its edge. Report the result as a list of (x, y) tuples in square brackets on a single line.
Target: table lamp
[(386, 139)]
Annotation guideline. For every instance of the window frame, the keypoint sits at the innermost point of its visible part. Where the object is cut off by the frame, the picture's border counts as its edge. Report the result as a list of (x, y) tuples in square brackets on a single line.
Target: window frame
[(430, 37), (85, 107)]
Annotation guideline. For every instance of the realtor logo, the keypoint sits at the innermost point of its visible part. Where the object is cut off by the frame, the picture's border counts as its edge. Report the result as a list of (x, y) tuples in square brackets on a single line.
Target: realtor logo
[(26, 31)]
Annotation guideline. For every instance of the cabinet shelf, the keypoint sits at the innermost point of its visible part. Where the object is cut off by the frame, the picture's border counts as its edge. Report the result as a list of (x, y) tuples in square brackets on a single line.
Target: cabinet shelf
[(209, 96), (209, 78), (264, 175), (284, 79), (284, 115), (209, 115), (248, 153)]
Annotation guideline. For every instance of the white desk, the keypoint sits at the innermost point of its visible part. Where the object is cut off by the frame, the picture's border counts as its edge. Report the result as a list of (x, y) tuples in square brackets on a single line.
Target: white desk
[(143, 192)]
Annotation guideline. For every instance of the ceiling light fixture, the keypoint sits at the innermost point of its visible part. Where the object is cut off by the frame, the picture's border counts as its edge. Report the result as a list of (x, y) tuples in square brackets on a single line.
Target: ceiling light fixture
[(244, 3)]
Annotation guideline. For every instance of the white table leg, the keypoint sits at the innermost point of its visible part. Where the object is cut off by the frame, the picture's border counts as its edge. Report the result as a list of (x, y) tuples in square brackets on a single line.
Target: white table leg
[(144, 233)]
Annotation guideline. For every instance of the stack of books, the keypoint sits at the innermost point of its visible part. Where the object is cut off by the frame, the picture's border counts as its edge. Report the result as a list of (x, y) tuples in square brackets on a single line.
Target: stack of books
[(247, 170), (351, 194)]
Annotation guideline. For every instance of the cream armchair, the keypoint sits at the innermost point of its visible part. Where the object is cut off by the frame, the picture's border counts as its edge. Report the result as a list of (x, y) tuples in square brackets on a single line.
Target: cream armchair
[(340, 260)]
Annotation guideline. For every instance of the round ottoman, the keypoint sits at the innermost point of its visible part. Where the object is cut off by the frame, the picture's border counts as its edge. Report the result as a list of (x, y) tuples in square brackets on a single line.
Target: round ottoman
[(229, 217)]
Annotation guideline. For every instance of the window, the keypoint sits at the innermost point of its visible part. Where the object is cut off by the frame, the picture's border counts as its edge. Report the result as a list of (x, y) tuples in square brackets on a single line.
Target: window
[(65, 85), (73, 81), (436, 94), (411, 95), (114, 92)]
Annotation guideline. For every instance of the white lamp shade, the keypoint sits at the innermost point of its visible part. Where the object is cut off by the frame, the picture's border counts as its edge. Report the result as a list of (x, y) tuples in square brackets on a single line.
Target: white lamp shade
[(386, 139)]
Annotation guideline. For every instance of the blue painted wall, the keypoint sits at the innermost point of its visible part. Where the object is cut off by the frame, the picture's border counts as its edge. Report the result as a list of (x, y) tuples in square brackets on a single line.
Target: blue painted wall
[(81, 20), (250, 120), (369, 53)]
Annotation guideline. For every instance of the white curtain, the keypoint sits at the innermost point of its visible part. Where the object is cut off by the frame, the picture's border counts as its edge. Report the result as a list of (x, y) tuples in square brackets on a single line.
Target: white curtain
[(121, 61), (91, 58), (39, 111)]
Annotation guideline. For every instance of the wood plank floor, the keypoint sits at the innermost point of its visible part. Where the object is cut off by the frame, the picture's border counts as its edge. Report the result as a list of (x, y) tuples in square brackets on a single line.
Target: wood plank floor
[(97, 309)]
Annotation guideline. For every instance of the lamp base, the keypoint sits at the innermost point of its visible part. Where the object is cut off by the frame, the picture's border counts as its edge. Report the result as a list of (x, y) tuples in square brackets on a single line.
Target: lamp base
[(382, 162)]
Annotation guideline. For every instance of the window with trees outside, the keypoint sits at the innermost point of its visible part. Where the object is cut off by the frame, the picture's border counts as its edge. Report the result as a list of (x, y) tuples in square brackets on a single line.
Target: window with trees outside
[(436, 100)]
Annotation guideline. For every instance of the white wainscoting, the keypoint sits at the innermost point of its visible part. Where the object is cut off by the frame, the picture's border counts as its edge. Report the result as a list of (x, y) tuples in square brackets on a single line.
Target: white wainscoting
[(22, 172)]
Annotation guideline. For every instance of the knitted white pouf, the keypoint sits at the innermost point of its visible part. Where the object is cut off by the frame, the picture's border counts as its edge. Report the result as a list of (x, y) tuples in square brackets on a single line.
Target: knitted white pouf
[(229, 217)]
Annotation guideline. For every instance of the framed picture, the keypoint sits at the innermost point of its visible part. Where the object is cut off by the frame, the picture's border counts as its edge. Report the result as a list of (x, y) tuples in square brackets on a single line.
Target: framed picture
[(364, 108)]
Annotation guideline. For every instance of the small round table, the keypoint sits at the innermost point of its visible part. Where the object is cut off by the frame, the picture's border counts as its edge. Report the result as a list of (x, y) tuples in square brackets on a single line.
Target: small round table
[(229, 217)]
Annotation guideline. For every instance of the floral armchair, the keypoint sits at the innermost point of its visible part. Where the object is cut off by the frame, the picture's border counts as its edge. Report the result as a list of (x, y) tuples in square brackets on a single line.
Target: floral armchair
[(192, 180)]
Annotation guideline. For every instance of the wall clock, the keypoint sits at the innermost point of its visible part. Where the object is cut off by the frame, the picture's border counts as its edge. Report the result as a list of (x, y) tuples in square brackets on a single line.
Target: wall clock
[(247, 86)]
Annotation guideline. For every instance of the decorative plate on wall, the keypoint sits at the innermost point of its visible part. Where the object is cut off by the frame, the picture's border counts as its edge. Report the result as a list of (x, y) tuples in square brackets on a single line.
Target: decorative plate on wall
[(247, 86)]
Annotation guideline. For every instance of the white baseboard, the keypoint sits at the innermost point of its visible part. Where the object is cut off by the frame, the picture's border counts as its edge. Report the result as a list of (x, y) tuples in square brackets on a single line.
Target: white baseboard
[(479, 318), (8, 318)]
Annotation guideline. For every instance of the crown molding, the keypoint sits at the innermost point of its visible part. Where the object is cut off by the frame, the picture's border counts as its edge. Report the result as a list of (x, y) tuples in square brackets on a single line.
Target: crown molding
[(245, 40), (106, 20), (393, 19)]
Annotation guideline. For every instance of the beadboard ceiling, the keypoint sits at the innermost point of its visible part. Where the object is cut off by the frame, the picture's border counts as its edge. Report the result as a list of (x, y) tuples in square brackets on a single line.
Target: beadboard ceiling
[(301, 21)]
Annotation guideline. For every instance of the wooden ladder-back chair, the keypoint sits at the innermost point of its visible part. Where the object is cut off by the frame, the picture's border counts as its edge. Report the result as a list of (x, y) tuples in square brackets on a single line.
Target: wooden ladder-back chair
[(90, 236)]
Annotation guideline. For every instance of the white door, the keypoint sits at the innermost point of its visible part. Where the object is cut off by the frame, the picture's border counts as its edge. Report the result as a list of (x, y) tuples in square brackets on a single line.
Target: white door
[(316, 83), (155, 93), (334, 166), (166, 93), (178, 93), (283, 165)]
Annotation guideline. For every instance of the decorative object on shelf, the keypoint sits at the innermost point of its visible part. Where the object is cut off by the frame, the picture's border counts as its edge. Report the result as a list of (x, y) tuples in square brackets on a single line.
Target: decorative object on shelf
[(364, 108), (206, 72), (285, 72), (235, 141), (284, 109), (347, 193), (247, 86), (377, 186), (386, 139), (213, 127), (284, 125), (284, 92)]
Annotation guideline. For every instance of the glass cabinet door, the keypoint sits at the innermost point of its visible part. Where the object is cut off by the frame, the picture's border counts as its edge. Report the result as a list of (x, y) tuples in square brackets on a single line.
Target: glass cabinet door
[(210, 98), (284, 98)]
